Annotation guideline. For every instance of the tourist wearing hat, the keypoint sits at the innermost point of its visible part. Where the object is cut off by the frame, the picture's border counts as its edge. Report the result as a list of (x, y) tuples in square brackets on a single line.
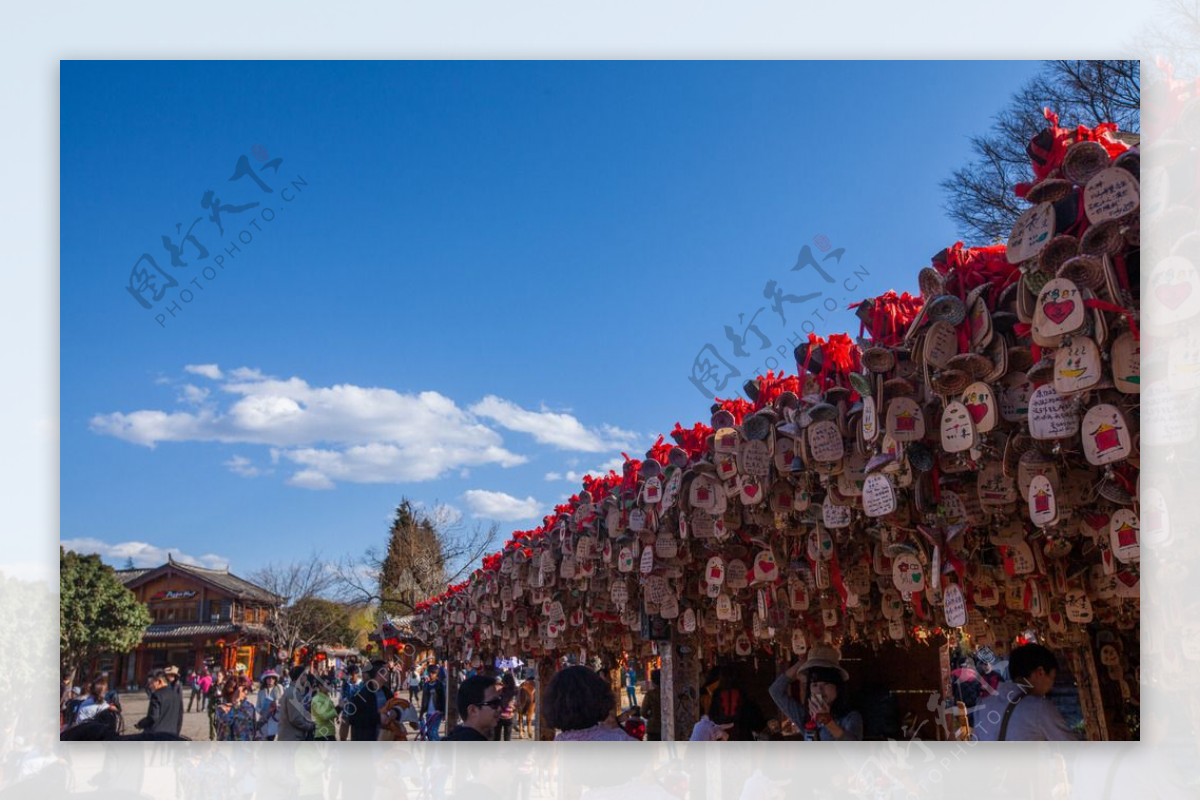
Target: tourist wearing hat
[(825, 713), (269, 695)]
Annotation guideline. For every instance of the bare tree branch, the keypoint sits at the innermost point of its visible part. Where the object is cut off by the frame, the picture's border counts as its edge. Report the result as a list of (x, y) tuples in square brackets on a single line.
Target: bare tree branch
[(428, 549), (979, 196)]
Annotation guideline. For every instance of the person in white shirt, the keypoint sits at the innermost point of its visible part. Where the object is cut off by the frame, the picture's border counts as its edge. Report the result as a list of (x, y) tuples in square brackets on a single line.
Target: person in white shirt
[(1020, 709)]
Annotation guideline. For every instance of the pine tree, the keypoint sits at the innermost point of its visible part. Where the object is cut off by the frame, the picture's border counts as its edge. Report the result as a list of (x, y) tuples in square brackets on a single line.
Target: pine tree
[(414, 567)]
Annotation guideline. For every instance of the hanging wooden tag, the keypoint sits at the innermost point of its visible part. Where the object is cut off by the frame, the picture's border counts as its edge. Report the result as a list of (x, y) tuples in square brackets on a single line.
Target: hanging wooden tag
[(652, 490), (879, 497), (799, 642), (981, 405), (1126, 360), (1078, 607), (750, 492), (625, 559), (726, 440), (985, 593), (1013, 399), (1105, 435), (724, 607), (1030, 233), (957, 430), (869, 420), (1051, 416), (941, 344), (1035, 463), (825, 441), (703, 492), (714, 571), (1124, 536), (908, 574), (687, 621), (995, 488), (1076, 366), (1043, 509), (1111, 194), (736, 575), (765, 568), (1060, 311), (955, 606), (756, 458), (833, 515), (904, 422)]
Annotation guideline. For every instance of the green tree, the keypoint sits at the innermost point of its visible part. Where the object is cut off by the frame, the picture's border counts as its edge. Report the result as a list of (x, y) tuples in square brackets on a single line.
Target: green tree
[(979, 195), (97, 613), (414, 563)]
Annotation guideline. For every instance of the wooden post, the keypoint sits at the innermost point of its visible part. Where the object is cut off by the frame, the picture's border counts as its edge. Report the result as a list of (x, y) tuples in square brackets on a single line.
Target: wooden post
[(666, 692), (451, 695), (1090, 700), (545, 672)]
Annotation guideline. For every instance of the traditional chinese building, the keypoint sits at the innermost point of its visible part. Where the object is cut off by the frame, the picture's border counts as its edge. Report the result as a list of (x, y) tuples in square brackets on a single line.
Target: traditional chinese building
[(200, 616)]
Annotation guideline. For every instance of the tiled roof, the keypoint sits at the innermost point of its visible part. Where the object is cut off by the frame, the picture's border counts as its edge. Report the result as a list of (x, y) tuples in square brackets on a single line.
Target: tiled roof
[(162, 631), (236, 586), (170, 630), (130, 574)]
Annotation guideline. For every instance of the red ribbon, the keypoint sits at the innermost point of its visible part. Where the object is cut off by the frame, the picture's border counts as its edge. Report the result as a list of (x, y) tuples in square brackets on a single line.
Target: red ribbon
[(1104, 305)]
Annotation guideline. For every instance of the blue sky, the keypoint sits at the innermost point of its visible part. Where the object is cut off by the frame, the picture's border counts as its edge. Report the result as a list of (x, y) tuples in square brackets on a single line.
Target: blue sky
[(469, 283)]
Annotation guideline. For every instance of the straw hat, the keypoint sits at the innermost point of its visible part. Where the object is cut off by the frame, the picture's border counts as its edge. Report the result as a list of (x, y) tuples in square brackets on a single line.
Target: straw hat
[(931, 282), (950, 382), (1083, 160), (975, 365), (171, 670), (1083, 271), (824, 656), (1057, 251), (1130, 161), (878, 360), (1102, 238), (947, 307), (1051, 190)]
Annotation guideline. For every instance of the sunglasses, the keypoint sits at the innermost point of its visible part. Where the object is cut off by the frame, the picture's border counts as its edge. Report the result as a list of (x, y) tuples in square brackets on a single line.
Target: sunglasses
[(495, 703)]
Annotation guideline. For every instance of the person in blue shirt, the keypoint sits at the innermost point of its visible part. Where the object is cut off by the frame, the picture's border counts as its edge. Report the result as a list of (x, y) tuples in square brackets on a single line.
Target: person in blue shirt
[(631, 684), (825, 713), (1020, 709)]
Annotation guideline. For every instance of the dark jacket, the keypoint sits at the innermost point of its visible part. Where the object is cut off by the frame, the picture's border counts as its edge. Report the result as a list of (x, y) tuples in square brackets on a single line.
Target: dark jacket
[(165, 715), (439, 690), (465, 733), (361, 712)]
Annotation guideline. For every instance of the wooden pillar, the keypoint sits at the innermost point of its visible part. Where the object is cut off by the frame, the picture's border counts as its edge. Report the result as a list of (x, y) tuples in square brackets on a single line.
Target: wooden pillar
[(545, 672), (451, 696), (666, 692)]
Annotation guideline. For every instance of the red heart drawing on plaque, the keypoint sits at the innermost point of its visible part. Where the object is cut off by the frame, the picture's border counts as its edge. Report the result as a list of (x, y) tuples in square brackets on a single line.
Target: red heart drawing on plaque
[(978, 411), (1172, 295), (751, 490), (1059, 310)]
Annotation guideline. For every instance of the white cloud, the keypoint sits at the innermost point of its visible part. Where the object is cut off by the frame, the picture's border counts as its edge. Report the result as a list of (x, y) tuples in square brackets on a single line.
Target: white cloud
[(143, 553), (243, 467), (500, 505), (576, 476), (336, 433), (310, 479), (193, 394), (210, 371), (559, 429)]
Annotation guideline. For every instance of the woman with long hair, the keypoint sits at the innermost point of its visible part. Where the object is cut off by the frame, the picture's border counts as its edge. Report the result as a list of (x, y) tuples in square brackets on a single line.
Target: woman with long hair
[(508, 708)]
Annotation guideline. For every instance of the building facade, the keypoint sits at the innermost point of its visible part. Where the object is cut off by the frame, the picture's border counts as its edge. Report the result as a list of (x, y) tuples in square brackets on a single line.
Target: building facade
[(201, 616)]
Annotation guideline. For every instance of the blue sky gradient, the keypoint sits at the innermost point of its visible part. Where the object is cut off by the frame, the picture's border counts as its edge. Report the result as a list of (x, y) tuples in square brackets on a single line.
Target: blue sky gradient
[(542, 248)]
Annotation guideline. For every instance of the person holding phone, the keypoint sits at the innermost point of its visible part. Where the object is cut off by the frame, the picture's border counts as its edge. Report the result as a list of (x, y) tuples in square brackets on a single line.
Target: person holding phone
[(825, 712)]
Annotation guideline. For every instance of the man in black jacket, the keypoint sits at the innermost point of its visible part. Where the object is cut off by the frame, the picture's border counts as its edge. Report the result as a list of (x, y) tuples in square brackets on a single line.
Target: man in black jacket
[(433, 705), (479, 703), (361, 712), (165, 715)]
